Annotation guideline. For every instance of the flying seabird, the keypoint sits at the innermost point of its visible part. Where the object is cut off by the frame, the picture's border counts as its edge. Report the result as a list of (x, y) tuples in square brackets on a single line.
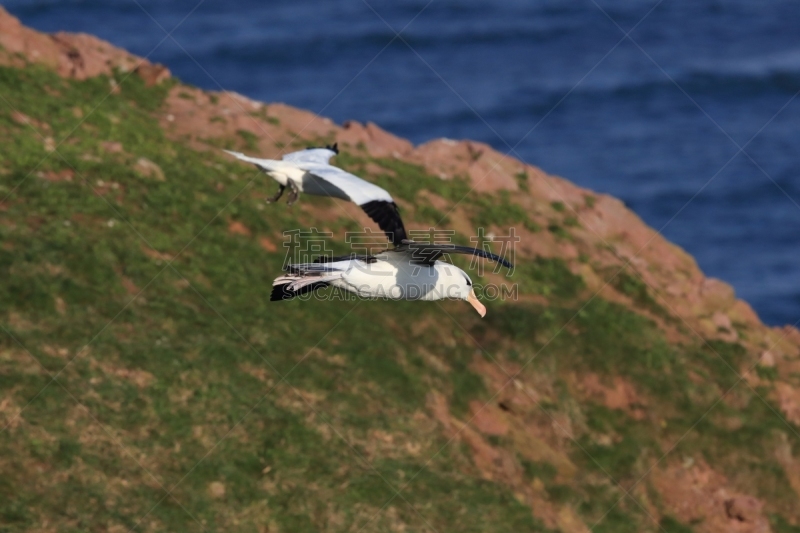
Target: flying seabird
[(411, 271), (308, 171)]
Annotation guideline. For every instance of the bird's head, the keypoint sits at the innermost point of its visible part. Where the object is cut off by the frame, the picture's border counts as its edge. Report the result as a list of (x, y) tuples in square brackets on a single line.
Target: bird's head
[(459, 286)]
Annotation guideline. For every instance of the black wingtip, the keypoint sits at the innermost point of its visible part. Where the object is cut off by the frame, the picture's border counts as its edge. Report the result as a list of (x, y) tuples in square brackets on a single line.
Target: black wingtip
[(387, 215), (282, 291), (496, 258), (499, 260)]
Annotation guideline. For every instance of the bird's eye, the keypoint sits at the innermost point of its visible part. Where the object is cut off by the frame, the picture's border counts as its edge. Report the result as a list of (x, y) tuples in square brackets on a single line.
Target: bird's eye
[(469, 283)]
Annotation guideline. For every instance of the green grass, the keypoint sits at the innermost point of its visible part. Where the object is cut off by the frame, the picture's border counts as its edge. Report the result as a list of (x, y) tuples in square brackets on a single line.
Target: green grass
[(558, 231), (250, 139), (631, 443), (611, 340), (633, 287), (522, 180), (768, 373), (538, 469), (497, 211), (179, 366), (203, 330), (671, 525), (781, 525), (548, 277)]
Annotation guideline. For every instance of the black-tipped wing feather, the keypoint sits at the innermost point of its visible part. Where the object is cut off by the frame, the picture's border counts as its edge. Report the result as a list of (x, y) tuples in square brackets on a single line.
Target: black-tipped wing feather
[(424, 253), (282, 291), (387, 216)]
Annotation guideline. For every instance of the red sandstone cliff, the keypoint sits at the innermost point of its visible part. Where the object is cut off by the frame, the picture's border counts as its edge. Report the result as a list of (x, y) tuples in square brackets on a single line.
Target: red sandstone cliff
[(608, 232)]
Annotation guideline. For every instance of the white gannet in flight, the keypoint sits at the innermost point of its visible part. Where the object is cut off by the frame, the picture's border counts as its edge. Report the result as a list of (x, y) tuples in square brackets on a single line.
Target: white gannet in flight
[(308, 171), (410, 271)]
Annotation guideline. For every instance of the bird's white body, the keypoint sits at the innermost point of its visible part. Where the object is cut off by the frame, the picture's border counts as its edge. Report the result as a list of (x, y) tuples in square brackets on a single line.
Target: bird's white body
[(387, 276), (401, 280), (282, 172)]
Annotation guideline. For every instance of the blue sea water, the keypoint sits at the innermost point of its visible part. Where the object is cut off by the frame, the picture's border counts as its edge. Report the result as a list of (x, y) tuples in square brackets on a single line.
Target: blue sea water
[(649, 101)]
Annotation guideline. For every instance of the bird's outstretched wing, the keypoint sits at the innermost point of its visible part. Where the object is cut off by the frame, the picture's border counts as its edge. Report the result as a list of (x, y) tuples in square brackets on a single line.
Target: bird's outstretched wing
[(337, 258), (263, 164), (424, 253), (313, 155), (387, 216), (375, 201)]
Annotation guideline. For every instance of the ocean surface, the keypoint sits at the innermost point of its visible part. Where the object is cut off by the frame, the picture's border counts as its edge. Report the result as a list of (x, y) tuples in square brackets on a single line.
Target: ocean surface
[(657, 118)]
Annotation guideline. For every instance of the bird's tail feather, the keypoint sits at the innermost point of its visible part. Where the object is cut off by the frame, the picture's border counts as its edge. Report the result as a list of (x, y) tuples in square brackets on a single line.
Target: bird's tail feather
[(302, 280), (283, 291), (263, 164), (295, 283)]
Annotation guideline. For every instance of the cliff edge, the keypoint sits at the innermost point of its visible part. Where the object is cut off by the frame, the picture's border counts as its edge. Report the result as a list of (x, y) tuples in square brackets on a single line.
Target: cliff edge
[(147, 382)]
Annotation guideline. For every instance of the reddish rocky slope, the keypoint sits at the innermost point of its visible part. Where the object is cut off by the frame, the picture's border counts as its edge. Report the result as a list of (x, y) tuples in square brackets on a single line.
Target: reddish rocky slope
[(606, 239)]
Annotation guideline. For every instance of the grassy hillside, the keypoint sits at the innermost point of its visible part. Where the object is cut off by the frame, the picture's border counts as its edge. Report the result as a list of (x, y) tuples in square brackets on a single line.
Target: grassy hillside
[(148, 384)]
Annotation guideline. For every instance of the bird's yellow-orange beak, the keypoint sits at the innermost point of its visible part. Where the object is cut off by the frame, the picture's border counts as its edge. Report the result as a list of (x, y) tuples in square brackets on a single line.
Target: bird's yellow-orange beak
[(479, 307)]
